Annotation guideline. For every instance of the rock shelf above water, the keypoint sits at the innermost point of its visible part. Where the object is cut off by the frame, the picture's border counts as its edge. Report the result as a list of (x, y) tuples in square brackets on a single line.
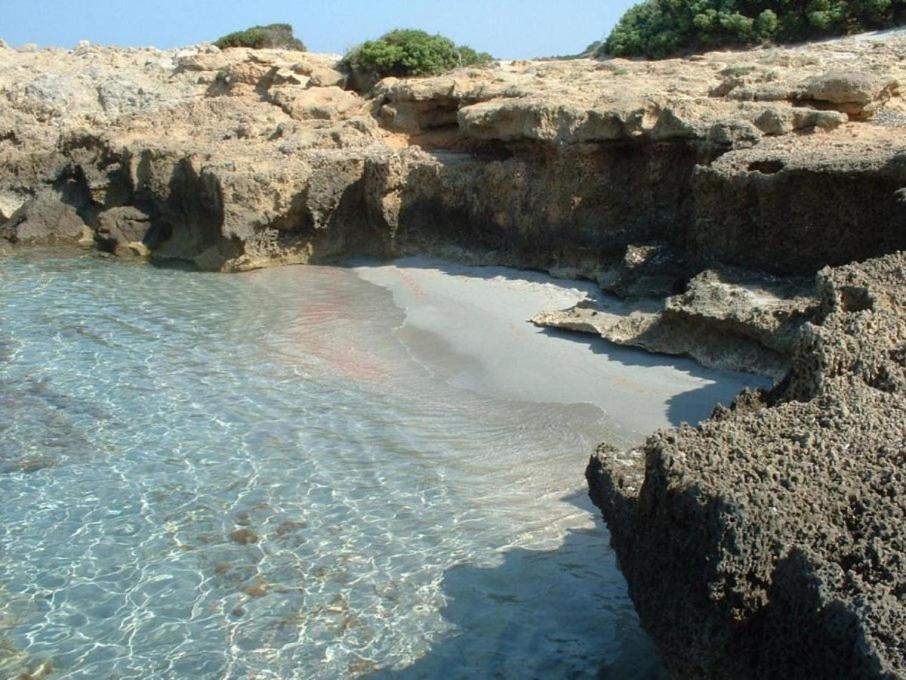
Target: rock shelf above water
[(785, 159)]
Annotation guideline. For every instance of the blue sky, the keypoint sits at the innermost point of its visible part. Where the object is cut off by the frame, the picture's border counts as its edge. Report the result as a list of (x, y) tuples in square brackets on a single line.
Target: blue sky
[(506, 28)]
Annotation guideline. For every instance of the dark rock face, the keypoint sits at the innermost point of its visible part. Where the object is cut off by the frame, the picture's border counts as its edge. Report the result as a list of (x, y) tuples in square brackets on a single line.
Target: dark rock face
[(791, 212), (573, 207), (769, 542), (45, 219), (540, 207), (124, 231)]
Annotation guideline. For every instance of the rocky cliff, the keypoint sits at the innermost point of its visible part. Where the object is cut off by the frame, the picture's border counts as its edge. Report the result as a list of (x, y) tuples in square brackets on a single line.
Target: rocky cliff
[(783, 159), (769, 542), (706, 192)]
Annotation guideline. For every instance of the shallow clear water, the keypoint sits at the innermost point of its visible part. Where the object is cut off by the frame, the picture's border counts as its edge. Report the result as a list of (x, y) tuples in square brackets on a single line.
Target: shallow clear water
[(249, 476)]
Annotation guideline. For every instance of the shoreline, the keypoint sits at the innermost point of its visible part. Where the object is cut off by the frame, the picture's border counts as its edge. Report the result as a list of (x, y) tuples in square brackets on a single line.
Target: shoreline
[(295, 369), (483, 313)]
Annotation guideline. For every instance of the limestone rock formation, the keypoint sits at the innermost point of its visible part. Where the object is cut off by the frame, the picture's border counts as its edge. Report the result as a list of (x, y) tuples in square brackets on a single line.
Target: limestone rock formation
[(255, 157), (797, 205), (45, 220), (857, 93), (125, 231), (768, 542), (729, 319)]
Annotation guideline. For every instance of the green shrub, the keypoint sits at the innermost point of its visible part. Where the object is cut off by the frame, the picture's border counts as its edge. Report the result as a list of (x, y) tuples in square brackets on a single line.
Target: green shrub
[(279, 36), (408, 52), (660, 28)]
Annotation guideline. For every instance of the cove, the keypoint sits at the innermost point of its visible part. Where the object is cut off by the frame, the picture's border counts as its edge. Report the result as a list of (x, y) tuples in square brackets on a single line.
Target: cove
[(370, 471)]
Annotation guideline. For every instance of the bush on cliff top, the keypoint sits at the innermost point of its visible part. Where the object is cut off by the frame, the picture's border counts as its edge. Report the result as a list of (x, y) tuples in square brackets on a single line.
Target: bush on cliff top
[(660, 28), (409, 52), (278, 36)]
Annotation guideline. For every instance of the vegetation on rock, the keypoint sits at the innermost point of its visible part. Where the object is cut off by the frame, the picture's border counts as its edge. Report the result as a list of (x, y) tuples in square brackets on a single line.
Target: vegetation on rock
[(659, 28), (278, 36), (409, 52)]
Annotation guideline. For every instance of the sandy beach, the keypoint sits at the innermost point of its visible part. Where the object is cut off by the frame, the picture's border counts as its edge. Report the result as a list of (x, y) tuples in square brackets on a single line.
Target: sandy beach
[(481, 315)]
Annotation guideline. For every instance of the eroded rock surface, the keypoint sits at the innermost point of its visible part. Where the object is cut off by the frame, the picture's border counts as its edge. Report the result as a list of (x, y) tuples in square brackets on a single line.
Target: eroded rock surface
[(247, 158), (43, 220), (768, 542), (729, 319)]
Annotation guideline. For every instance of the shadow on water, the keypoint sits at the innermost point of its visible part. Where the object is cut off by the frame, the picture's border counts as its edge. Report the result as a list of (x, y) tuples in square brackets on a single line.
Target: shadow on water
[(561, 613)]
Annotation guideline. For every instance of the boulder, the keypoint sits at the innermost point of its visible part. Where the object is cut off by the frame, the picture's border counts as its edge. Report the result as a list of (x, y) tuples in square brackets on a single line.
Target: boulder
[(45, 219), (319, 74), (856, 93), (320, 103), (774, 121), (207, 61), (805, 119), (124, 231), (10, 202)]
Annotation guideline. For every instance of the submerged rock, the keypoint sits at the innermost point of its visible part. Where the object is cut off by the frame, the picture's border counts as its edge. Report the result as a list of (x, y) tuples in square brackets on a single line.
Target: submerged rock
[(244, 536), (257, 589)]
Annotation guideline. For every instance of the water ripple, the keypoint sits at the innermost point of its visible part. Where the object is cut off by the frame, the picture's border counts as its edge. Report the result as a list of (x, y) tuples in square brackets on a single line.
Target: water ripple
[(249, 477)]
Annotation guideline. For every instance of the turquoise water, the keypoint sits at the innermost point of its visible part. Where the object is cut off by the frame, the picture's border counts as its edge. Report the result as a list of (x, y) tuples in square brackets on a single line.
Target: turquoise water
[(249, 476)]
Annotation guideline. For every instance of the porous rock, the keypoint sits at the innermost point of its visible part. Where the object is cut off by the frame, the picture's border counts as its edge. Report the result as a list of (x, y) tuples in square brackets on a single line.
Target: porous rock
[(768, 541), (45, 220), (728, 319), (858, 93), (125, 231), (558, 165)]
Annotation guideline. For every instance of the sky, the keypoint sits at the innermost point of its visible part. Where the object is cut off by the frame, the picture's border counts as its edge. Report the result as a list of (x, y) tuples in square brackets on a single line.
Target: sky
[(508, 29)]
